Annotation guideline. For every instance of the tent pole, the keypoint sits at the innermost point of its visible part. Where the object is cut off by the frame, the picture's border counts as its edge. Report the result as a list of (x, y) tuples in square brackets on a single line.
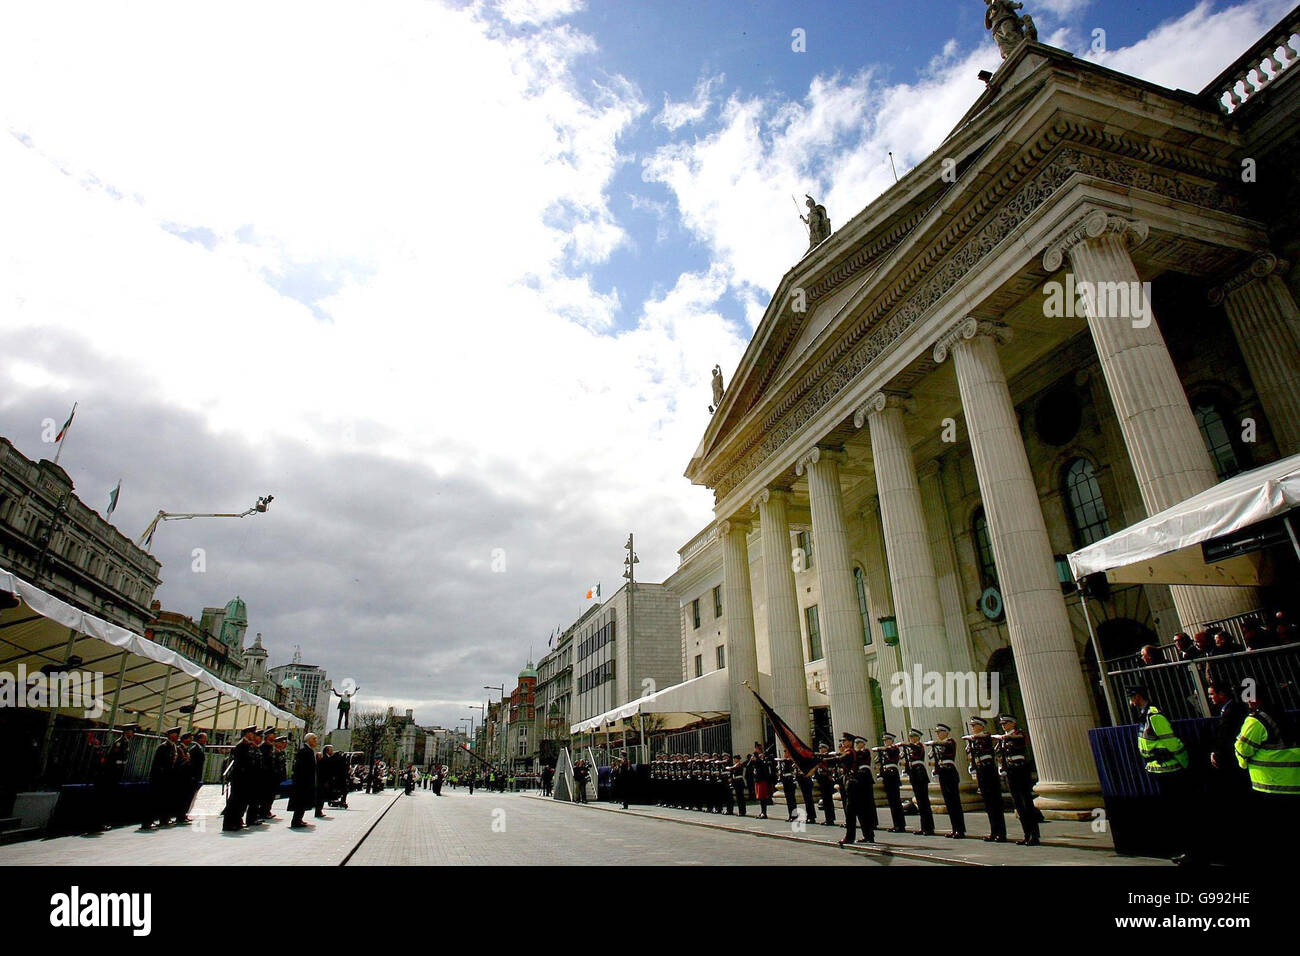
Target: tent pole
[(1101, 663), (216, 715), (1290, 530), (117, 692), (166, 697), (194, 705), (49, 724)]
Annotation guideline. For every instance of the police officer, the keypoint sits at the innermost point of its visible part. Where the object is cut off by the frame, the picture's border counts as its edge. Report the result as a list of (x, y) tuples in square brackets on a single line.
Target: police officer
[(984, 768), (1268, 749), (1165, 759), (888, 755), (943, 756), (1013, 748)]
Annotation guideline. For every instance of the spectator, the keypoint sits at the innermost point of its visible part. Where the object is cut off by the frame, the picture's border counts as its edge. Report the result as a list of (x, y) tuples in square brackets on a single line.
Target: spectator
[(1186, 649), (1151, 656), (1223, 643), (1203, 644), (303, 797)]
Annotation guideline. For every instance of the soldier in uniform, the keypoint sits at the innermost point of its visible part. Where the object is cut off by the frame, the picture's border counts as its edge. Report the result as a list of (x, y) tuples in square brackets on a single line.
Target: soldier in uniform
[(888, 756), (943, 754), (112, 768), (241, 775), (759, 771), (722, 777), (1013, 748), (825, 786), (736, 780), (160, 804), (983, 767), (269, 782), (914, 760), (804, 782), (787, 788), (854, 763), (189, 779)]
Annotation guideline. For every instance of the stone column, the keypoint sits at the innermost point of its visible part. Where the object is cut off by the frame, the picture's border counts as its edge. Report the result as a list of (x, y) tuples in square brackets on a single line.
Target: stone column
[(935, 506), (742, 655), (1266, 324), (784, 644), (881, 601), (921, 637), (1047, 661), (841, 624), (1163, 440)]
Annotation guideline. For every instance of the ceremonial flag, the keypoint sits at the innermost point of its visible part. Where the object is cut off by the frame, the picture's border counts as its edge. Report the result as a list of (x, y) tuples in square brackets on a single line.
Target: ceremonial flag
[(593, 592), (66, 425), (112, 500), (799, 752)]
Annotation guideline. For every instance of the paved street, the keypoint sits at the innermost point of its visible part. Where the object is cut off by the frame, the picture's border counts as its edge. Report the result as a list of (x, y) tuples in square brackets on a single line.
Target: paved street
[(519, 829)]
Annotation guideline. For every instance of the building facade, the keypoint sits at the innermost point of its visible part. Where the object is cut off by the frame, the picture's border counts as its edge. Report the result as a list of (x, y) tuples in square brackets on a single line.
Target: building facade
[(615, 661), (554, 698), (217, 649), (1078, 311), (314, 689), (50, 537)]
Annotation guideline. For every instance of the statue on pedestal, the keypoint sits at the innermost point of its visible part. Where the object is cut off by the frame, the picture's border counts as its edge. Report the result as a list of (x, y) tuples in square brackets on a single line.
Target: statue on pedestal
[(1009, 28), (345, 705), (819, 224)]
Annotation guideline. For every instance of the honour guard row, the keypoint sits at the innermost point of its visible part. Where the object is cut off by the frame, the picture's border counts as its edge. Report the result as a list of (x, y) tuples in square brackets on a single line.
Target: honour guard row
[(719, 783)]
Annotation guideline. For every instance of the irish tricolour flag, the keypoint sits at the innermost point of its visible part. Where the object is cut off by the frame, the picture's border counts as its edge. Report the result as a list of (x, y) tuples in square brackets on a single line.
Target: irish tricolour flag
[(593, 592)]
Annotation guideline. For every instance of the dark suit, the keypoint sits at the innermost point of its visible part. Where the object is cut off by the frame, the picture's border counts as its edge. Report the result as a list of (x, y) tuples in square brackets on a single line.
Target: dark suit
[(242, 778), (303, 797), (162, 785)]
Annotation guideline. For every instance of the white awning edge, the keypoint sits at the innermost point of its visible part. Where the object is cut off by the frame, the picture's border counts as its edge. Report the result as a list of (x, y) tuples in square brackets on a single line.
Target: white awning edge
[(1237, 503), (59, 611)]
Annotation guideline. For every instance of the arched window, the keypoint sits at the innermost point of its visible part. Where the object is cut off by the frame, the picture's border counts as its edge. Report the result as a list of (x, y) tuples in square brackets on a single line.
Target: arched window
[(1214, 432), (979, 530), (860, 584), (1087, 510)]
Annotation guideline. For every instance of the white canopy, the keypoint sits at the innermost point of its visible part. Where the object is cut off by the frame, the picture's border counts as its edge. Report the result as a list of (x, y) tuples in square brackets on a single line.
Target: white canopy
[(150, 682), (1165, 548), (697, 699)]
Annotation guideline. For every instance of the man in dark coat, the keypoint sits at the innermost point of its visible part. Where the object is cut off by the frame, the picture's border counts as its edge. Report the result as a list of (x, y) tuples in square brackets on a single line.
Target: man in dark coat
[(160, 804), (241, 776), (270, 781), (189, 776), (112, 768), (623, 782), (1229, 784), (303, 797)]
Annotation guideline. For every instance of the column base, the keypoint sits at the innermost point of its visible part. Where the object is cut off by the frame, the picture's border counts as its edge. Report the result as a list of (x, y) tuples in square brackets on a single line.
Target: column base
[(1068, 801)]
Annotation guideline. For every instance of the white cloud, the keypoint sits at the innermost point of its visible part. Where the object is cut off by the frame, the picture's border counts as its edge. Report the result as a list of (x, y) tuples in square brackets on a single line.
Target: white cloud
[(677, 114)]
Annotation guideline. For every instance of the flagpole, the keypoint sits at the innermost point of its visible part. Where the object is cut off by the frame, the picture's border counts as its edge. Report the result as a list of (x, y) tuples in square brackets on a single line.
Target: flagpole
[(64, 437)]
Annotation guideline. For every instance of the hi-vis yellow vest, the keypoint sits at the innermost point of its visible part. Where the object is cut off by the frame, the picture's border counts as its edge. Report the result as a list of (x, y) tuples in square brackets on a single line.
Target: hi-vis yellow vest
[(1273, 767), (1161, 750)]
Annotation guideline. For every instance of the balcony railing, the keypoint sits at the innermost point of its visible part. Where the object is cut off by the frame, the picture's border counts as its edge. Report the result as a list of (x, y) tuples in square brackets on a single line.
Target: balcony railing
[(1260, 67)]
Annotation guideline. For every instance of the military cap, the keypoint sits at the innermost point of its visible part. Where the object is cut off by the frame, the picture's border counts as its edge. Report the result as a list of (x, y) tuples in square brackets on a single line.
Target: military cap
[(188, 733), (977, 720), (888, 736), (126, 727), (1137, 689), (944, 727), (1005, 718), (913, 732), (248, 730), (171, 730), (848, 736)]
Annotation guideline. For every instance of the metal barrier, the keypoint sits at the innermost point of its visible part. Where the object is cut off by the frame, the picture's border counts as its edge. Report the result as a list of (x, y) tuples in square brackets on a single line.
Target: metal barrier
[(1234, 626), (713, 739), (1179, 688), (74, 757)]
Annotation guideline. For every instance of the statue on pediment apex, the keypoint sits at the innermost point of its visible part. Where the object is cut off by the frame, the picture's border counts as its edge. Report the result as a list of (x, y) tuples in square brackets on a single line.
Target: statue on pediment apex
[(819, 224), (1009, 27)]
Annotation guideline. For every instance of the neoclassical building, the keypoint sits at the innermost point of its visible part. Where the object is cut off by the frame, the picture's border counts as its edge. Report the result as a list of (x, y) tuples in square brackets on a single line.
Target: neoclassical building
[(1077, 311)]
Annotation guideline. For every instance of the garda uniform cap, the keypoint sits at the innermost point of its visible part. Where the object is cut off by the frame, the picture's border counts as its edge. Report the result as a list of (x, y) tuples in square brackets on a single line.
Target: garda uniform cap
[(1137, 689)]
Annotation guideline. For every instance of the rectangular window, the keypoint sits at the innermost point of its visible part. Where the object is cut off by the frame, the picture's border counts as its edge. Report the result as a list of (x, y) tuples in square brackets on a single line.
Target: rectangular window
[(722, 656), (804, 550), (695, 612), (814, 633), (699, 665), (717, 601)]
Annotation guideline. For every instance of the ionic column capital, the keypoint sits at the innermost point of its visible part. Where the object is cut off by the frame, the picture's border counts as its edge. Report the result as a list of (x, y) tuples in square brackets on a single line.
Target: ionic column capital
[(738, 524), (1263, 264), (769, 494), (815, 454), (1093, 225), (967, 328), (878, 403)]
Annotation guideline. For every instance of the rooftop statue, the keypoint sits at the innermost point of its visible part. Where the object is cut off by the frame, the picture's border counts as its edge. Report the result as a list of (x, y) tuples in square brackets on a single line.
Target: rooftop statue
[(1009, 28), (717, 389), (819, 224)]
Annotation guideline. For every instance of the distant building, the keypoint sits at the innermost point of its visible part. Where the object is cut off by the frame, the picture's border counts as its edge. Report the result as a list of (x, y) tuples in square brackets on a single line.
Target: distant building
[(612, 663), (409, 739), (309, 683), (520, 733), (553, 695), (202, 642), (255, 677), (51, 538)]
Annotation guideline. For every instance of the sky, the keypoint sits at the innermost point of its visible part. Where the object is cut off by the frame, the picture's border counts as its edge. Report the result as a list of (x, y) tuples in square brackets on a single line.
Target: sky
[(447, 279)]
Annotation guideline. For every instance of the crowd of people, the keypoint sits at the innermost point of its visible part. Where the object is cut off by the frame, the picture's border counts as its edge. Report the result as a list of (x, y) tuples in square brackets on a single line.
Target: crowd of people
[(175, 775)]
